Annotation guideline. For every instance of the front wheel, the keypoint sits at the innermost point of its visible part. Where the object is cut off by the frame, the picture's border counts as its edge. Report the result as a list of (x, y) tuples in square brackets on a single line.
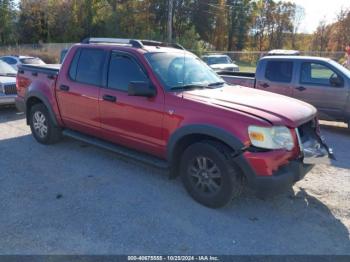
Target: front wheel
[(42, 126), (209, 174)]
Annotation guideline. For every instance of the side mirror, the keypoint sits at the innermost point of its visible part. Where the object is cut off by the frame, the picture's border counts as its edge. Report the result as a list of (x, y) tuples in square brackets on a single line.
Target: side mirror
[(336, 81), (137, 88)]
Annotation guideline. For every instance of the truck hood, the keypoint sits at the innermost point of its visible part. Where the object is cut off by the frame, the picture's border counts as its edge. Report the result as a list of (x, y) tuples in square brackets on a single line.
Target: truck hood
[(7, 80), (274, 108)]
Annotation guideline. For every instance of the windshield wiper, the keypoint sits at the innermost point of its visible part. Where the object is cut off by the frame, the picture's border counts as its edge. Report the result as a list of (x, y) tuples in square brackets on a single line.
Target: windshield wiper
[(186, 87), (217, 83)]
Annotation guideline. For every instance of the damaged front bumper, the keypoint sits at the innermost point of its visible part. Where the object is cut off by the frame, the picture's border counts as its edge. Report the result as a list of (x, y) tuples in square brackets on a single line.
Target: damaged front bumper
[(315, 151)]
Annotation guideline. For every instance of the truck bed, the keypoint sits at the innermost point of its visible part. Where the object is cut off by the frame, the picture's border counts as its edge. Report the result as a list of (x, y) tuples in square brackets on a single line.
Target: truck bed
[(239, 78), (51, 69), (45, 74)]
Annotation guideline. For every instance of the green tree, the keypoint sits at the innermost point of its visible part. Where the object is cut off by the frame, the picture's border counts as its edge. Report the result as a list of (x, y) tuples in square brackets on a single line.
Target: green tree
[(7, 22), (239, 19), (33, 21)]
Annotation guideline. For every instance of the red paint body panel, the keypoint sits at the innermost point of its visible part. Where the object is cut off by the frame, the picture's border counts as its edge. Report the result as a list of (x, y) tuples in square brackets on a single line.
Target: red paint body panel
[(147, 124), (40, 83), (133, 121)]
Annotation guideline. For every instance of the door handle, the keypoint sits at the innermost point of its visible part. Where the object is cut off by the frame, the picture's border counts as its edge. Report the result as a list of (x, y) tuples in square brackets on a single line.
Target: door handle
[(265, 85), (300, 88), (109, 98), (64, 88)]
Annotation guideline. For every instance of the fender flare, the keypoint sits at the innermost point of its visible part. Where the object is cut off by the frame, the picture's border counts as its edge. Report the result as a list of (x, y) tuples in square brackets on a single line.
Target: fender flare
[(45, 101), (215, 132)]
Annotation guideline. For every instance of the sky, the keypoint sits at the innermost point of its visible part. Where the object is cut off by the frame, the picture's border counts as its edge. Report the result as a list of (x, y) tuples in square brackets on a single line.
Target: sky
[(316, 10)]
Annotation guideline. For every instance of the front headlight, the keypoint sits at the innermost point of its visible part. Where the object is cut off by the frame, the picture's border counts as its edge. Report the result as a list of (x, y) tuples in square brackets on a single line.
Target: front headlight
[(276, 137)]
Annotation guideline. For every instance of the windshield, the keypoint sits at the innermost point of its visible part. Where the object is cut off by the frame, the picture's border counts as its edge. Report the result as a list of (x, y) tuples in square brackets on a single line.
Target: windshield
[(341, 68), (176, 70), (218, 60), (6, 69), (32, 61)]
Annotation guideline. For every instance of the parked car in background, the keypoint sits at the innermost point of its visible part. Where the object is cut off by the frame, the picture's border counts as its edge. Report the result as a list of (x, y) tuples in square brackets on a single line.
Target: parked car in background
[(220, 63), (321, 82), (160, 104), (8, 91), (15, 61)]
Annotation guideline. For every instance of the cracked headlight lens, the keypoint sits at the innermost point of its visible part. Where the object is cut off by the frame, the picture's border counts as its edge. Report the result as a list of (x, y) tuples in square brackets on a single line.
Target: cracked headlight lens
[(276, 137)]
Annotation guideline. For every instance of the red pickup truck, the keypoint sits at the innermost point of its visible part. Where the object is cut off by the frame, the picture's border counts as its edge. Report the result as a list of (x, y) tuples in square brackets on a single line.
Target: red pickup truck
[(160, 104)]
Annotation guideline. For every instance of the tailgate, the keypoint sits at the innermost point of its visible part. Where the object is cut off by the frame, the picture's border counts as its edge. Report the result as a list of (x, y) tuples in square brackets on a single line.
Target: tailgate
[(35, 74), (239, 80)]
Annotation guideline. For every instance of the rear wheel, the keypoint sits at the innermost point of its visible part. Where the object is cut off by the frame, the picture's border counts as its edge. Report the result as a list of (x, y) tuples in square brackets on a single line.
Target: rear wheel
[(42, 126), (209, 174)]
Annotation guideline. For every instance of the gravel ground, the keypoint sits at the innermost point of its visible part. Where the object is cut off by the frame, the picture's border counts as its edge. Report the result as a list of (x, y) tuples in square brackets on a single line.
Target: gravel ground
[(72, 198)]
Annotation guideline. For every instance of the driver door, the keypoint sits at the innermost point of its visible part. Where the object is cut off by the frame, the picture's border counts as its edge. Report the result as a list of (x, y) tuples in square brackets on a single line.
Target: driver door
[(315, 86), (132, 121)]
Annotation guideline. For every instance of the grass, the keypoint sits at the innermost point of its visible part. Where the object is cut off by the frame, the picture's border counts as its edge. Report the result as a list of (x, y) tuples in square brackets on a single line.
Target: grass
[(248, 69), (245, 67)]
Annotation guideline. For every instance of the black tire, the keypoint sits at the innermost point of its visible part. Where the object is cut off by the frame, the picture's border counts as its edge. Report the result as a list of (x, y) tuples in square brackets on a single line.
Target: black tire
[(53, 133), (197, 183)]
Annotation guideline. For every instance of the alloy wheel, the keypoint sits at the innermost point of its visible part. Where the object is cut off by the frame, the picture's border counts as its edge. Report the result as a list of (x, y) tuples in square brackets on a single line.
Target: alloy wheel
[(205, 175), (40, 124)]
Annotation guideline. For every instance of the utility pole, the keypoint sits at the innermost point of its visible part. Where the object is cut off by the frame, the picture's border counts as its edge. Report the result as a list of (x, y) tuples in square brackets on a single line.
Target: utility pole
[(170, 21)]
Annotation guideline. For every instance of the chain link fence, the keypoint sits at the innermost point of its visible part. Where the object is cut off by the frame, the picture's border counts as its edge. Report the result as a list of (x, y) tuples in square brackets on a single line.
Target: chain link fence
[(246, 60), (50, 53)]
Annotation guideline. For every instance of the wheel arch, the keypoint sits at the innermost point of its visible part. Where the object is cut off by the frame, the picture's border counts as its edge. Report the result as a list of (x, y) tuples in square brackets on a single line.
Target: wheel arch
[(188, 135), (36, 97)]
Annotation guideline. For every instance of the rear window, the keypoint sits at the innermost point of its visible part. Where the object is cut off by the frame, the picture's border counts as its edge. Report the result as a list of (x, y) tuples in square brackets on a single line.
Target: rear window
[(279, 71), (90, 66), (9, 60), (31, 61)]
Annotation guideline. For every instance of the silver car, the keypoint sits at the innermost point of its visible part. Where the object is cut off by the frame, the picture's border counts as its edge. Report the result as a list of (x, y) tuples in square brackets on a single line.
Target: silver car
[(15, 61), (220, 63), (8, 90)]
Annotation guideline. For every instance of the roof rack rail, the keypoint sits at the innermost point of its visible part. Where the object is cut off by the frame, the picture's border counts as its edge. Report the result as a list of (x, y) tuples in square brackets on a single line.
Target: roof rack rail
[(133, 42)]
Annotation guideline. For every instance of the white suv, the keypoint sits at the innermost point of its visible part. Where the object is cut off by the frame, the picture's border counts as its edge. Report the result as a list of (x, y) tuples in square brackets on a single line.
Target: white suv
[(8, 90), (220, 63)]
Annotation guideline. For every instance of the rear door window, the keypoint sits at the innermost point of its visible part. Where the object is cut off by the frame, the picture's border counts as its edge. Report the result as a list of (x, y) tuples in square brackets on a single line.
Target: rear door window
[(279, 71), (90, 66)]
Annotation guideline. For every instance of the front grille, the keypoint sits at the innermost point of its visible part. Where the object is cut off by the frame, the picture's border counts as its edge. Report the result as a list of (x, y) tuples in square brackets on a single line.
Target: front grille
[(232, 69), (308, 130), (10, 89)]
